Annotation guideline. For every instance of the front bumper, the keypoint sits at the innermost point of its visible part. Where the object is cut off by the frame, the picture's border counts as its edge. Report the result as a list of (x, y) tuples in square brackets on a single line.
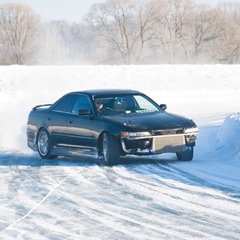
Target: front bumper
[(158, 144)]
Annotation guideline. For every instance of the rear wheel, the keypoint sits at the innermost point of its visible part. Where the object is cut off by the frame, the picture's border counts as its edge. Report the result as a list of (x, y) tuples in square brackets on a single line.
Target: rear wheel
[(44, 145), (185, 156), (110, 149)]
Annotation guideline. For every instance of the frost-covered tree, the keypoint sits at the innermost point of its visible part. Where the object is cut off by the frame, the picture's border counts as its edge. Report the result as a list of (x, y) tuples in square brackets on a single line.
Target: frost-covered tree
[(19, 26), (227, 48), (123, 28), (172, 29)]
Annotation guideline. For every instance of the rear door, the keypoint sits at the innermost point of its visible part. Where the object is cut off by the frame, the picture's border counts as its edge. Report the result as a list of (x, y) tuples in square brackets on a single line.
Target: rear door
[(58, 120)]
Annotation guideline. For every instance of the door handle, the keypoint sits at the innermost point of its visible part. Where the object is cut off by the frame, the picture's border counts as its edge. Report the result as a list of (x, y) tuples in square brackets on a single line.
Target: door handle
[(70, 121)]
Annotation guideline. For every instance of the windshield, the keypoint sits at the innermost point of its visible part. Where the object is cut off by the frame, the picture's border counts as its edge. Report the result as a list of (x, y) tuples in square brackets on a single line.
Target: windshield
[(125, 104)]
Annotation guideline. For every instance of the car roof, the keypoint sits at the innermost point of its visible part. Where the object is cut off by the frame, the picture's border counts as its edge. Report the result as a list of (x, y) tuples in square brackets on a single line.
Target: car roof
[(94, 92)]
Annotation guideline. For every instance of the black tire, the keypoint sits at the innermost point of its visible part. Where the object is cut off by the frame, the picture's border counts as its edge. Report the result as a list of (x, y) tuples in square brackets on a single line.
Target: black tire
[(186, 156), (44, 145), (110, 149)]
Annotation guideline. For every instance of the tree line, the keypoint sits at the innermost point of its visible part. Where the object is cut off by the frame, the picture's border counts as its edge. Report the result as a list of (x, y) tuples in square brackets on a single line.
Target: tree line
[(124, 32)]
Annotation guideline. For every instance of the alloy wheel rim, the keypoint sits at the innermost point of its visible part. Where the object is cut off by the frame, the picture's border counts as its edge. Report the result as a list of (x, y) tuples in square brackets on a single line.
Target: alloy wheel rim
[(43, 143)]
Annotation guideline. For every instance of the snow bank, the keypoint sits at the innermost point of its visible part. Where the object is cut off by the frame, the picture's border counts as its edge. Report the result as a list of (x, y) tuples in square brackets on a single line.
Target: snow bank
[(228, 135)]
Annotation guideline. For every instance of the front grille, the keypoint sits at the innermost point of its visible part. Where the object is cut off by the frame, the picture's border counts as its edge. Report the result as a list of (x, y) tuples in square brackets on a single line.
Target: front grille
[(168, 143), (167, 132)]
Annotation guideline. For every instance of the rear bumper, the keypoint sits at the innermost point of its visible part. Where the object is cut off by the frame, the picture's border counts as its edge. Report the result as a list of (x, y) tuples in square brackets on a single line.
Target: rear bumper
[(31, 140)]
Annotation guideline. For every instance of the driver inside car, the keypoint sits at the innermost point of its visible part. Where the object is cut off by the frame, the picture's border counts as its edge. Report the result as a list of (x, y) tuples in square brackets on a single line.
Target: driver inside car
[(99, 105)]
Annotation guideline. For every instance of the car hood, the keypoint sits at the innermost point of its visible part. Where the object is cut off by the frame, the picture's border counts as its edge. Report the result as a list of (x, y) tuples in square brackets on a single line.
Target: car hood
[(152, 121)]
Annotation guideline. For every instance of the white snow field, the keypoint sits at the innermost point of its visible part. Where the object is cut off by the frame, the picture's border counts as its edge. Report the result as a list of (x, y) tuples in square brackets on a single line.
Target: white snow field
[(154, 197)]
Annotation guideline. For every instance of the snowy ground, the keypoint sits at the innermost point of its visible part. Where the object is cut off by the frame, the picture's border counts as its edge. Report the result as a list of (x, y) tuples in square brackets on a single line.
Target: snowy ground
[(143, 197)]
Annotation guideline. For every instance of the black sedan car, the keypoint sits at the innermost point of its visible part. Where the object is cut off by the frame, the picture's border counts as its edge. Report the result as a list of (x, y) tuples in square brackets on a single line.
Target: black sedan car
[(108, 124)]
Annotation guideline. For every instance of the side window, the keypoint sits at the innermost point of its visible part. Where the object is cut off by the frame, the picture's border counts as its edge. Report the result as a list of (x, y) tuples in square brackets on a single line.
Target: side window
[(82, 102), (66, 104)]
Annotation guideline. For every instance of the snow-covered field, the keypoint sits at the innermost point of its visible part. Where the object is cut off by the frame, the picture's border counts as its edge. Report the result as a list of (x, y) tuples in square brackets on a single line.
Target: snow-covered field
[(142, 198)]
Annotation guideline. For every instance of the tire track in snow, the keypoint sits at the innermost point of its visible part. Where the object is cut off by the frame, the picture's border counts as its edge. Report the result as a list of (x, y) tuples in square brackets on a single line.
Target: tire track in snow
[(38, 204), (141, 197), (190, 192), (144, 200), (203, 181)]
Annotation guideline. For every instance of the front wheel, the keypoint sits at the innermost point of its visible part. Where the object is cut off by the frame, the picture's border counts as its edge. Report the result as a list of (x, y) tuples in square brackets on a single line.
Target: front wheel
[(110, 149), (185, 156), (44, 145)]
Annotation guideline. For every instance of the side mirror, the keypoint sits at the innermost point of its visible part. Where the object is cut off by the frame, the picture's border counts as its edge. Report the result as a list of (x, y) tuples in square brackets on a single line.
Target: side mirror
[(163, 107)]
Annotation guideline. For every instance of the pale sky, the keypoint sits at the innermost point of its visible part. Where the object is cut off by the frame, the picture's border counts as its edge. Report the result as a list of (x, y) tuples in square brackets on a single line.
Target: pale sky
[(69, 10), (73, 10)]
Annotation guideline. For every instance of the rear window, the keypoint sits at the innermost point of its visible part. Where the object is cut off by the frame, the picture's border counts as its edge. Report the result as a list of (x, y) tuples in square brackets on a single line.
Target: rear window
[(66, 104)]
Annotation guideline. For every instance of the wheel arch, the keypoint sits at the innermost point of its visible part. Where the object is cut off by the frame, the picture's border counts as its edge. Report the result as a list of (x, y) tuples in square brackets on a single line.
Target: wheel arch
[(48, 155), (100, 141), (39, 130)]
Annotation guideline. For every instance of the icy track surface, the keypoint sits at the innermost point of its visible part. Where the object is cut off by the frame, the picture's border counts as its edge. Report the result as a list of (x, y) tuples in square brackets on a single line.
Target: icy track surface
[(153, 197), (142, 198)]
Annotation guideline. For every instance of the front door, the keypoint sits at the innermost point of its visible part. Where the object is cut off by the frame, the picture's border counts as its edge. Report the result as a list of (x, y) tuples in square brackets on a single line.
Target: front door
[(80, 127)]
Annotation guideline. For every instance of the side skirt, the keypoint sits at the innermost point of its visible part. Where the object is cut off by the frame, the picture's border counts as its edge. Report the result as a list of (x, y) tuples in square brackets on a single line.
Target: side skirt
[(75, 152)]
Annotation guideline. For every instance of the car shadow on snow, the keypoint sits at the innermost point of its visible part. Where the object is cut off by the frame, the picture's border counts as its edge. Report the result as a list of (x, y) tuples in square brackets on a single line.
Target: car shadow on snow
[(17, 158), (161, 159), (13, 158)]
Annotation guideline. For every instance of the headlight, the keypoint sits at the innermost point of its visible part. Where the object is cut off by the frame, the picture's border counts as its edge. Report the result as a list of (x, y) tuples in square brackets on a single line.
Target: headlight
[(191, 130), (135, 134)]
